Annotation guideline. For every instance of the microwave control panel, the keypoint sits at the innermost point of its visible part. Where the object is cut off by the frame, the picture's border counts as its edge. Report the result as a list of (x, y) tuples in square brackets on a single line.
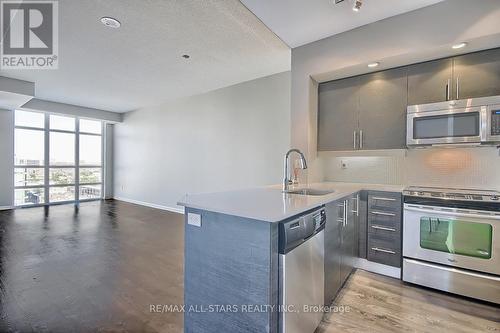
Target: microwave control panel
[(495, 122)]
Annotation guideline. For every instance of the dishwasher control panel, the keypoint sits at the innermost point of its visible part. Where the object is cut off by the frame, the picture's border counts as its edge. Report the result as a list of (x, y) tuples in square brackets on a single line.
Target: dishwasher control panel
[(295, 231)]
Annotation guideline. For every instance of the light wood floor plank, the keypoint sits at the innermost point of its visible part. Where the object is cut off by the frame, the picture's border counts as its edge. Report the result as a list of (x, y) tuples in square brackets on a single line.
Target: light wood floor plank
[(382, 304)]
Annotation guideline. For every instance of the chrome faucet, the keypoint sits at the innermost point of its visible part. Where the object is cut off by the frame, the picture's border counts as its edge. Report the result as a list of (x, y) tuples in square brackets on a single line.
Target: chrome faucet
[(303, 165)]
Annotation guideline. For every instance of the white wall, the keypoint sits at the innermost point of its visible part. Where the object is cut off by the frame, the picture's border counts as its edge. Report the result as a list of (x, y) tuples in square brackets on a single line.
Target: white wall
[(229, 138), (416, 36), (7, 158)]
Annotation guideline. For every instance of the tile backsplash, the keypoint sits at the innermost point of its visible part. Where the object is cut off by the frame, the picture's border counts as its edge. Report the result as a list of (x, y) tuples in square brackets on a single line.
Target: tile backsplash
[(452, 167)]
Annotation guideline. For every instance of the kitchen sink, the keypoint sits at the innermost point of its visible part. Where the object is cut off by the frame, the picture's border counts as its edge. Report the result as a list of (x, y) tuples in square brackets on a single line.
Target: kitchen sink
[(310, 191)]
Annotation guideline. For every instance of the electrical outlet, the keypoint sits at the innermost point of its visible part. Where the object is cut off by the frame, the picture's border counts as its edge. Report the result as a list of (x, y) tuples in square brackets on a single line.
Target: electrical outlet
[(343, 164), (194, 219)]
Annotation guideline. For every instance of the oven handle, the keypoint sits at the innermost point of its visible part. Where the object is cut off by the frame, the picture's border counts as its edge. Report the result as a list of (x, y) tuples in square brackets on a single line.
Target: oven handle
[(470, 213), (450, 269)]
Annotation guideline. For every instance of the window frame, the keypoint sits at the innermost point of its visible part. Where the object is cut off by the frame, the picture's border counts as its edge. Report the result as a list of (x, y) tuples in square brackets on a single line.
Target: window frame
[(76, 166)]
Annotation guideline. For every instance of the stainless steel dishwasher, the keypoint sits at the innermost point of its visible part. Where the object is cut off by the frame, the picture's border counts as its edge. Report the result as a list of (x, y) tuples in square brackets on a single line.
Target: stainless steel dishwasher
[(301, 271)]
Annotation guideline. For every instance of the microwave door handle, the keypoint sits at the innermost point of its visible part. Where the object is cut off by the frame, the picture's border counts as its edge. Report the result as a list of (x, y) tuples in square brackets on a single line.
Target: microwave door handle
[(451, 213)]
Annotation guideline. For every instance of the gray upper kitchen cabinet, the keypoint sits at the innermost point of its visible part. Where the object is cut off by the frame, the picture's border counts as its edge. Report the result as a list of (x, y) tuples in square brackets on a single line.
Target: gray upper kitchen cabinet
[(382, 111), (338, 114), (476, 74), (334, 215), (430, 82)]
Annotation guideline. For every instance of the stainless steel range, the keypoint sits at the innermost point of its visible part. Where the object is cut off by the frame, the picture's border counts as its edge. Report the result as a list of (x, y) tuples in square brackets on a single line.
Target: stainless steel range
[(451, 240)]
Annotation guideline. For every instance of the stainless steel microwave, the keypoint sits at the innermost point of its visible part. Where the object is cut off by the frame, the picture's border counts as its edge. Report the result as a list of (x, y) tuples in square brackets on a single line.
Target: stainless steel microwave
[(474, 121)]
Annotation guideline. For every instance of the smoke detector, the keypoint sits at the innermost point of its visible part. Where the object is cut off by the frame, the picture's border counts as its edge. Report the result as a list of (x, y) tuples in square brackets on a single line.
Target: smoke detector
[(110, 22)]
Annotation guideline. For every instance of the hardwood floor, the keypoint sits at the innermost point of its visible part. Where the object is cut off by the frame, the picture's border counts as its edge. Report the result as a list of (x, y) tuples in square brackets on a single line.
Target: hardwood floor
[(93, 269), (99, 268), (379, 304)]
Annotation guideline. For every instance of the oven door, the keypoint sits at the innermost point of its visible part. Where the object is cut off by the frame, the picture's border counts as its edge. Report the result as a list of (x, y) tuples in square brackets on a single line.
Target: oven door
[(445, 127), (456, 237)]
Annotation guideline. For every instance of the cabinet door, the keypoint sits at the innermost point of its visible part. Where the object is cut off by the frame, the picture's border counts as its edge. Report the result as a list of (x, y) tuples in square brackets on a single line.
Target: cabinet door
[(332, 250), (382, 110), (338, 114), (478, 74), (427, 81), (348, 246), (362, 224)]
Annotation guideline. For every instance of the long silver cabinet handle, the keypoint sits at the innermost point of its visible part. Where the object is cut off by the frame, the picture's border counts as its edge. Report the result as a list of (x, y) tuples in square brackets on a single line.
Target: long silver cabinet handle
[(448, 84), (382, 213), (361, 139), (357, 205), (383, 250), (383, 199), (346, 204), (354, 139), (383, 228), (458, 89)]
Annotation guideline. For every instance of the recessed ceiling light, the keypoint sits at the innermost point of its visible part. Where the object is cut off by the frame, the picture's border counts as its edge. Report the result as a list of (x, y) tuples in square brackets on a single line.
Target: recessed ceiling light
[(110, 22), (373, 64), (357, 5), (459, 45), (186, 56)]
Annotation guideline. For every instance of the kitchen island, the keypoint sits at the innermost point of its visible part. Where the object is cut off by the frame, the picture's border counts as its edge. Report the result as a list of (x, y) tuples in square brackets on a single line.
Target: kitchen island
[(231, 253)]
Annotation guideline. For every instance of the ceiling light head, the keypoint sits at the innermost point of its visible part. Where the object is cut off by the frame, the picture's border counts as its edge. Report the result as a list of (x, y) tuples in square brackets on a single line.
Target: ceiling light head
[(373, 64), (110, 22), (357, 5), (459, 45)]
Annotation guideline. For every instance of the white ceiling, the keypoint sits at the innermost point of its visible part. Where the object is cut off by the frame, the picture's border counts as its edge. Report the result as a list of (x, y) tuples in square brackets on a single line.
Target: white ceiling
[(141, 63), (298, 22)]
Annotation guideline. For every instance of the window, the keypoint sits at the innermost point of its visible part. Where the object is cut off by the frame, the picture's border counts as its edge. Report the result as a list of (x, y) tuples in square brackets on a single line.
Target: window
[(57, 159), (463, 237)]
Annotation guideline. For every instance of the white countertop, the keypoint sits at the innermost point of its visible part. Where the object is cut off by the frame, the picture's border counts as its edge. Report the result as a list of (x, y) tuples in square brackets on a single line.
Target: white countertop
[(270, 204)]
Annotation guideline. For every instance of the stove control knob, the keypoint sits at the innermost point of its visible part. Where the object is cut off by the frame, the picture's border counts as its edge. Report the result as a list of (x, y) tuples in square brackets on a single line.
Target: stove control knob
[(494, 198), (421, 193)]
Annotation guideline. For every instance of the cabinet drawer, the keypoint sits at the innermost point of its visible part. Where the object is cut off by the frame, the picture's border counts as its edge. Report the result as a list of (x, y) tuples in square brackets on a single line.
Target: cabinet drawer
[(384, 201), (390, 232), (384, 219), (385, 251)]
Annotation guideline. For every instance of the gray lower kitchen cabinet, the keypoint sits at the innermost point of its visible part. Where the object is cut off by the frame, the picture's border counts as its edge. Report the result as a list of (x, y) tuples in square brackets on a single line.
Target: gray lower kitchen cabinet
[(338, 114), (341, 244), (332, 250), (430, 82), (382, 110), (476, 74), (349, 238), (362, 224), (384, 226)]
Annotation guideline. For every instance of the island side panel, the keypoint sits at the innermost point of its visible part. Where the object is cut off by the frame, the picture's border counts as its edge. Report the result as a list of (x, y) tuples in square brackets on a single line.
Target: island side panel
[(232, 262)]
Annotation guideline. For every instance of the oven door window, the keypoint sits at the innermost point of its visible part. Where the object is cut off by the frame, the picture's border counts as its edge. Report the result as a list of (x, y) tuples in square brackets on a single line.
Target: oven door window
[(456, 236), (447, 126)]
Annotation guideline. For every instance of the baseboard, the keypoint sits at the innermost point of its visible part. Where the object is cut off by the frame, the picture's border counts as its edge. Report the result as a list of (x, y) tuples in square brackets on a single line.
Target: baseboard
[(151, 205), (6, 207), (377, 268)]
